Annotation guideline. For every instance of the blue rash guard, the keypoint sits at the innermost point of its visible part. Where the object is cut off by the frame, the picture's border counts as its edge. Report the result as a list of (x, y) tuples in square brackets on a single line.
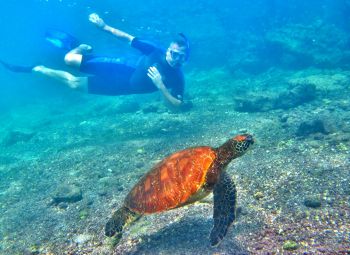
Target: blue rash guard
[(111, 76)]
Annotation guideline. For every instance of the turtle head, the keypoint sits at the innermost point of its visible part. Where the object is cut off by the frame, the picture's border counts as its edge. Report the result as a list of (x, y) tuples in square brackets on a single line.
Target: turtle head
[(233, 148), (241, 143)]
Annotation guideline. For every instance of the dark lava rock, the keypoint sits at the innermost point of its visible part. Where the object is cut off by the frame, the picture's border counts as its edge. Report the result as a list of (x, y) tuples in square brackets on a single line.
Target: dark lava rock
[(312, 202), (312, 127), (140, 164), (284, 118), (317, 43), (341, 138), (63, 205), (14, 137), (291, 98), (298, 95), (67, 194)]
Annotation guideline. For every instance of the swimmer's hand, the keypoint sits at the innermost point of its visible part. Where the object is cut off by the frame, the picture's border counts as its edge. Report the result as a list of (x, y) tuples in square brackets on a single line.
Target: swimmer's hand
[(156, 77), (154, 74), (95, 19)]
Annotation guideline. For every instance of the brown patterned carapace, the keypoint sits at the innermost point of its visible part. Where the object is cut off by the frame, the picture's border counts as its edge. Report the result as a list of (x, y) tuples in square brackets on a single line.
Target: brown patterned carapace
[(171, 182)]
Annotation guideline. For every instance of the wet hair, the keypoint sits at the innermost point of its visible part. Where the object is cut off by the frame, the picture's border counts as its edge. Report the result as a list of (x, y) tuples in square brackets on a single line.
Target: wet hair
[(183, 42)]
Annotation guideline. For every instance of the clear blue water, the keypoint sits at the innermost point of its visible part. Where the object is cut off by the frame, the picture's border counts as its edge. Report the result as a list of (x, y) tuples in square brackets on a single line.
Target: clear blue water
[(52, 136)]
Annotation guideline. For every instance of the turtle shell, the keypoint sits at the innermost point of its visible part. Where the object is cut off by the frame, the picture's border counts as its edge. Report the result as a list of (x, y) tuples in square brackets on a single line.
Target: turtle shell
[(172, 182)]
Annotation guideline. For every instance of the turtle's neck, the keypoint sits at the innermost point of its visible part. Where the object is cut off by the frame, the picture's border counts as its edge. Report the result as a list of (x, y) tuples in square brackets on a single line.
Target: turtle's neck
[(226, 153)]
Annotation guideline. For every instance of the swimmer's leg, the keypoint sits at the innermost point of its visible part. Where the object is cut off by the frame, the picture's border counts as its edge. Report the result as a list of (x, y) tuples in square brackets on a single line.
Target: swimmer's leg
[(75, 56), (74, 82)]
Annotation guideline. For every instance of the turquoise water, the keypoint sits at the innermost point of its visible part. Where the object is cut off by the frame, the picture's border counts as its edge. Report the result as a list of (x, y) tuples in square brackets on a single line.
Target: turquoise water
[(279, 71)]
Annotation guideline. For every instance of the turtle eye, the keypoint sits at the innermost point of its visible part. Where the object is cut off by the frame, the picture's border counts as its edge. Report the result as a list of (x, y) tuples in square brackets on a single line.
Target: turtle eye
[(249, 139)]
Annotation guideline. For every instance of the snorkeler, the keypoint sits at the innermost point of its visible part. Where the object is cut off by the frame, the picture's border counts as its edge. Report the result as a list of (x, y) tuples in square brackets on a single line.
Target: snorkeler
[(157, 69)]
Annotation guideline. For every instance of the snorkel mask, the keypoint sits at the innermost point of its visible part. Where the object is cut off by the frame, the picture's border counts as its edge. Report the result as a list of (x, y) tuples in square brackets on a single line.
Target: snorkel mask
[(187, 42)]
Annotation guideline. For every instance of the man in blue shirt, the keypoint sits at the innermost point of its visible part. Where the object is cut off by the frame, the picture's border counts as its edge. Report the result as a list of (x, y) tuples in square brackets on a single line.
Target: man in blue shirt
[(157, 69)]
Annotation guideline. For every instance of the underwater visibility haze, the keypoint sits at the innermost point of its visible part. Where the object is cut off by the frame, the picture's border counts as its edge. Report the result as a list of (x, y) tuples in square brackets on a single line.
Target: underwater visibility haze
[(72, 162)]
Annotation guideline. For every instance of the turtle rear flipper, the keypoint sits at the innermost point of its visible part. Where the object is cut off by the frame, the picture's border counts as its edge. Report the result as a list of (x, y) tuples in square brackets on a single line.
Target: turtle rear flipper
[(122, 217), (225, 197)]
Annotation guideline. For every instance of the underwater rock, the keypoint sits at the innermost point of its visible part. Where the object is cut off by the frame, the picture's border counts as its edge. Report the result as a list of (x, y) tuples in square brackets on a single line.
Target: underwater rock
[(34, 249), (67, 194), (312, 127), (344, 105), (312, 202), (140, 164), (284, 118), (316, 44), (258, 195), (82, 238), (104, 184), (298, 95), (290, 245), (340, 138), (63, 205), (14, 137)]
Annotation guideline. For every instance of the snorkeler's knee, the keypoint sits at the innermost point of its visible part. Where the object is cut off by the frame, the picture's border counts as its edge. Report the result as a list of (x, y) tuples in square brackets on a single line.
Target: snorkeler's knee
[(73, 59)]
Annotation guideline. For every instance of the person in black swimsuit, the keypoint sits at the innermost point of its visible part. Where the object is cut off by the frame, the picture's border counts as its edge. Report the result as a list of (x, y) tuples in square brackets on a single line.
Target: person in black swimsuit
[(157, 69)]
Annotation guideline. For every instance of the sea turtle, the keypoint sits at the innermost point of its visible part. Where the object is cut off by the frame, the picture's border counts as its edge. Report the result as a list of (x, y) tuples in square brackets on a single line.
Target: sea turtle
[(182, 178)]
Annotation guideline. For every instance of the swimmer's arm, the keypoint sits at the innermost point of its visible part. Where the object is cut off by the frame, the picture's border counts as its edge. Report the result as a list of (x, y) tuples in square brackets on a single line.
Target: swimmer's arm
[(156, 78), (168, 97), (99, 22)]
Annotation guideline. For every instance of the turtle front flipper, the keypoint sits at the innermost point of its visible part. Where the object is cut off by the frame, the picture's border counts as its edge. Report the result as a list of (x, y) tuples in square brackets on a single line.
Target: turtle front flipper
[(225, 197), (122, 217)]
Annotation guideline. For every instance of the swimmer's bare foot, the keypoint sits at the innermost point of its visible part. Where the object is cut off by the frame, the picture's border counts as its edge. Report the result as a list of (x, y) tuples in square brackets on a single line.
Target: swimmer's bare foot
[(38, 68)]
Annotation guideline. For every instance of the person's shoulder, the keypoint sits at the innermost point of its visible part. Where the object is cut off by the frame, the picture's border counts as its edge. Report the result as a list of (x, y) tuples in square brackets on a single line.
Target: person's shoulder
[(144, 45)]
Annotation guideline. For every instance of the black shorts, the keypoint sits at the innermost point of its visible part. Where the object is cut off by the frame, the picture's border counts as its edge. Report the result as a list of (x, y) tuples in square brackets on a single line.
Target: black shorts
[(109, 76)]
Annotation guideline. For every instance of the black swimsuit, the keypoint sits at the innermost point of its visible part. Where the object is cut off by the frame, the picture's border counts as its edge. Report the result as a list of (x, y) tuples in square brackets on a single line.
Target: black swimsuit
[(112, 76)]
